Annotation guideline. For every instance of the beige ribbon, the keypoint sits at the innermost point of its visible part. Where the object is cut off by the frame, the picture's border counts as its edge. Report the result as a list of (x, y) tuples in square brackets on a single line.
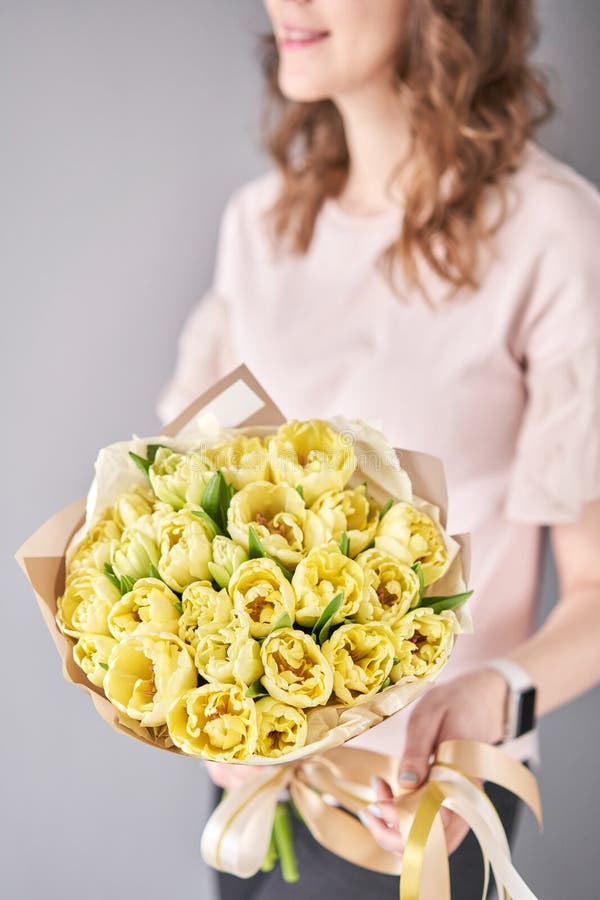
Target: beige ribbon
[(236, 836)]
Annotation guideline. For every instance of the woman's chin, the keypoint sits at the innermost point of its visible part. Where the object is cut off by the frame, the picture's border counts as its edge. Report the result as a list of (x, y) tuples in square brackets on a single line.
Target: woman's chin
[(303, 90)]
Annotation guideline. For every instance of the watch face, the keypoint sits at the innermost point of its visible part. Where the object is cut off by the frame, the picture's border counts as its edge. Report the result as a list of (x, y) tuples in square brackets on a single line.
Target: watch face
[(526, 712)]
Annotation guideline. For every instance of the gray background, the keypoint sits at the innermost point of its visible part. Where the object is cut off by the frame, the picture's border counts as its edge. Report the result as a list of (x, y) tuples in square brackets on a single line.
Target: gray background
[(125, 125)]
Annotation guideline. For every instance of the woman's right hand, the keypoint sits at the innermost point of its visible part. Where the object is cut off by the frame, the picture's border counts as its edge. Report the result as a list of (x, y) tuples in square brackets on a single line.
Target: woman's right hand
[(231, 776)]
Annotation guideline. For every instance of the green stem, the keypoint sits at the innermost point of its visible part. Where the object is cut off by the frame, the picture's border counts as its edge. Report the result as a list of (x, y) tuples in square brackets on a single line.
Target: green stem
[(284, 842), (272, 855)]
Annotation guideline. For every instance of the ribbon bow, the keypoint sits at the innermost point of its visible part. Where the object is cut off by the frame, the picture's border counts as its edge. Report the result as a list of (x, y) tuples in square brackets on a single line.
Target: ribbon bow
[(236, 836)]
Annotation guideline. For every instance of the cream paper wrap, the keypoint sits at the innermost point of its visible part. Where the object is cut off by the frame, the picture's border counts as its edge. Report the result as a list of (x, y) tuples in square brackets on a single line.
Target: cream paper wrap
[(240, 400)]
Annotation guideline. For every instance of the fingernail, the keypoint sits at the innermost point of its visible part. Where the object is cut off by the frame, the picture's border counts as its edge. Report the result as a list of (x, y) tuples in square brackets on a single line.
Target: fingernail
[(408, 777), (376, 782), (375, 810)]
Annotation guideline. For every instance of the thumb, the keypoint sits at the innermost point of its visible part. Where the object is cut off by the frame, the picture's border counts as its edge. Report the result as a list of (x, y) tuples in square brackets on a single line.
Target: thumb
[(421, 739)]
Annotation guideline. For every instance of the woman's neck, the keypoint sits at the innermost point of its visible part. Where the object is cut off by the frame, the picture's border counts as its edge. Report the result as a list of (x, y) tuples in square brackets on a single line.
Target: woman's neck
[(378, 137)]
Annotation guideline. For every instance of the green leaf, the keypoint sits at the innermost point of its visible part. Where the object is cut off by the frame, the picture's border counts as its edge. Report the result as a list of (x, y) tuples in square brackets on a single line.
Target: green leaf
[(141, 463), (212, 525), (440, 604), (210, 498), (225, 496), (345, 543), (385, 508), (110, 573), (127, 584), (386, 683), (257, 551), (396, 660), (255, 690), (287, 573), (300, 490), (255, 547), (417, 567), (154, 573), (178, 605), (152, 449), (103, 666), (282, 621), (323, 625)]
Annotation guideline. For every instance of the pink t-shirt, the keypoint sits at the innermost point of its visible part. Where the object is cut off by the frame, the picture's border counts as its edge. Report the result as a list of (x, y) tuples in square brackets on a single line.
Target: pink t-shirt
[(502, 384)]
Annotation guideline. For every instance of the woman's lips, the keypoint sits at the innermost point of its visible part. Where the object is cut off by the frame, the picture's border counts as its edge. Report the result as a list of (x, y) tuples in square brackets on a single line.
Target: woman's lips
[(300, 37)]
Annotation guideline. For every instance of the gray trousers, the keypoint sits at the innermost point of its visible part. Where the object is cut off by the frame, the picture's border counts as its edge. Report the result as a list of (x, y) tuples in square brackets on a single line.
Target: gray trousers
[(324, 876)]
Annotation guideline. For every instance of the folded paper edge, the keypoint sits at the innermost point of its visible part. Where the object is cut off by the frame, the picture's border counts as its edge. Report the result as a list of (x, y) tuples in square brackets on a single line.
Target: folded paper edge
[(267, 415)]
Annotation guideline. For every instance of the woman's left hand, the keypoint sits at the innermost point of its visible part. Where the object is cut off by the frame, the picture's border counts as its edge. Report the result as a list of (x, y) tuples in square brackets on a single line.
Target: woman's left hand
[(470, 706)]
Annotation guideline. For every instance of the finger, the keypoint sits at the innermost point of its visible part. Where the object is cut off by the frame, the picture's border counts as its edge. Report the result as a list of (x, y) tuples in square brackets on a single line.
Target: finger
[(388, 838), (384, 807), (214, 772), (421, 739), (381, 788), (229, 776)]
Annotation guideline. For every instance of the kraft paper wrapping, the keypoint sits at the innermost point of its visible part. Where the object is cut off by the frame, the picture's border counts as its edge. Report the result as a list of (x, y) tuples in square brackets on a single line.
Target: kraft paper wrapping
[(238, 401)]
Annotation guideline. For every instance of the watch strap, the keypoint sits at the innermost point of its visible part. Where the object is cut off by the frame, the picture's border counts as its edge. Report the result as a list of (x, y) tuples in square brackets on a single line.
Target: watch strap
[(520, 712)]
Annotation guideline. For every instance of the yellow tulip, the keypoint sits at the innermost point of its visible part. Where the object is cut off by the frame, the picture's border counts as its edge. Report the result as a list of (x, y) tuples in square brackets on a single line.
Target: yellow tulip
[(84, 607), (132, 505), (413, 536), (423, 640), (322, 574), (311, 455), (185, 550), (91, 653), (136, 552), (203, 610), (286, 528), (361, 657), (296, 672), (242, 460), (228, 655), (179, 478), (281, 727), (261, 593), (392, 587), (352, 511), (93, 551), (215, 721), (226, 557), (147, 673), (149, 606)]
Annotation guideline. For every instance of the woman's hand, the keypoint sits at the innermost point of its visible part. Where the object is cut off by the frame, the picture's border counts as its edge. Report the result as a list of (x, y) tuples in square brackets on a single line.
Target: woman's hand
[(231, 776), (471, 706)]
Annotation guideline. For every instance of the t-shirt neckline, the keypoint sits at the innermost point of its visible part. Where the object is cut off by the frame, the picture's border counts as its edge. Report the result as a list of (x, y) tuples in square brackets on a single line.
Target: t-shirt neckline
[(384, 219)]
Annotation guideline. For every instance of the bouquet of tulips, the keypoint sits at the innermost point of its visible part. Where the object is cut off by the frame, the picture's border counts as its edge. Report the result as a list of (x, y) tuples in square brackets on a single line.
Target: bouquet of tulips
[(256, 594), (247, 582)]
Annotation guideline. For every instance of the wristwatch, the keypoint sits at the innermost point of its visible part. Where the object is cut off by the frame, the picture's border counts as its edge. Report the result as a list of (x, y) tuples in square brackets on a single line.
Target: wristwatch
[(520, 709)]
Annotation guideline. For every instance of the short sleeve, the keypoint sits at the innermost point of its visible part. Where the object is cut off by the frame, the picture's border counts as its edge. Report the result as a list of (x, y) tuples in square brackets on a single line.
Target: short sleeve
[(205, 350), (556, 469), (556, 466)]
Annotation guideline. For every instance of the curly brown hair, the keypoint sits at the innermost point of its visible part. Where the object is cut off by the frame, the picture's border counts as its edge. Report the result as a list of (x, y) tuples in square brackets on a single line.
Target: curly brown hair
[(473, 100)]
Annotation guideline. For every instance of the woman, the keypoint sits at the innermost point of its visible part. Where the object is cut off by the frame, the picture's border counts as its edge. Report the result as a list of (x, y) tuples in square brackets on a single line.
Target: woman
[(416, 259)]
